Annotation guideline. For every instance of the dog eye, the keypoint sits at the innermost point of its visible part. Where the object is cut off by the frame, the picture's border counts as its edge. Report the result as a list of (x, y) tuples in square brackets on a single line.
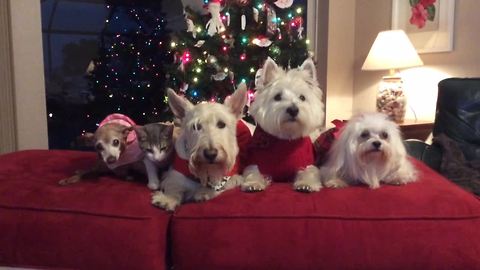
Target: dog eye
[(277, 97), (384, 135), (116, 142), (302, 97), (99, 147), (221, 124), (365, 134)]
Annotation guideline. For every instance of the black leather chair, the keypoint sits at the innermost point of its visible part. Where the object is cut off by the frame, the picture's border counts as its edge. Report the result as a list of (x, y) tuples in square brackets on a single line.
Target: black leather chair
[(458, 117)]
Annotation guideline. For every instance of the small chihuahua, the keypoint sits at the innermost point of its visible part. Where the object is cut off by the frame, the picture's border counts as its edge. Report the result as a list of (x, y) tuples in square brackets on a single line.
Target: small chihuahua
[(117, 147)]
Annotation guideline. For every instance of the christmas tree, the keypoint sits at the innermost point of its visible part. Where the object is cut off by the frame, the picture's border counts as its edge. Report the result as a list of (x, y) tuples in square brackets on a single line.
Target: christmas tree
[(227, 41), (128, 76)]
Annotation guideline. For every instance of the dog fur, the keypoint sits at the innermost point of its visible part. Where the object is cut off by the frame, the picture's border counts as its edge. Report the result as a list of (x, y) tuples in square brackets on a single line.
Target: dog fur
[(208, 142), (288, 106), (369, 150), (110, 142)]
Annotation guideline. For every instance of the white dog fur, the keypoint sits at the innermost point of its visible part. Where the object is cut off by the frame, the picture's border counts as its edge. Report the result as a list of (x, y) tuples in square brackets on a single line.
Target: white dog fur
[(369, 151), (279, 90), (204, 127)]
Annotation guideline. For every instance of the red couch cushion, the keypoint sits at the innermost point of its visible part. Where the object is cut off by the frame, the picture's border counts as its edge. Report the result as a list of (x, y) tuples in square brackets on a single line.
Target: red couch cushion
[(431, 224), (103, 224)]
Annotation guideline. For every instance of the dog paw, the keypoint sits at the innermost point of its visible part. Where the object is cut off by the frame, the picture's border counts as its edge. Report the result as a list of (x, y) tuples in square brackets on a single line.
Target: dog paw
[(160, 200), (204, 194), (253, 187), (336, 183), (303, 188), (69, 180), (374, 185), (254, 182), (307, 180)]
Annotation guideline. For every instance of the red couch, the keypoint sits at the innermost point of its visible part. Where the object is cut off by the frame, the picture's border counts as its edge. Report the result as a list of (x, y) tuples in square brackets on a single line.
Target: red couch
[(110, 224)]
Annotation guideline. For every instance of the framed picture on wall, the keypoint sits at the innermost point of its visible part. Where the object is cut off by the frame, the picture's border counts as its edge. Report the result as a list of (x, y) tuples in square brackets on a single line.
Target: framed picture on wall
[(428, 23)]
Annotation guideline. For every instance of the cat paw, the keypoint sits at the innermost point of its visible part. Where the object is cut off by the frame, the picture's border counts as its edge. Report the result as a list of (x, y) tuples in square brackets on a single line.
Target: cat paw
[(153, 186), (160, 200)]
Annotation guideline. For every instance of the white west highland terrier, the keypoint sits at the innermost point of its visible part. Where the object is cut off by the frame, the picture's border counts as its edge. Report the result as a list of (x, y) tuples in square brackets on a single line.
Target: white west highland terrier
[(287, 108), (369, 151), (206, 150)]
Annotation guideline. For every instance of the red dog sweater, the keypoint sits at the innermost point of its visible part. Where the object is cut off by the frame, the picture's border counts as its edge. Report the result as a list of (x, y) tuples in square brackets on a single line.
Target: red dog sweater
[(277, 158)]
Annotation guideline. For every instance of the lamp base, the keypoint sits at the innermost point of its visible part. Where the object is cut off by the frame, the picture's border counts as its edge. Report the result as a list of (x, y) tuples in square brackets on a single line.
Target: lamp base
[(391, 98)]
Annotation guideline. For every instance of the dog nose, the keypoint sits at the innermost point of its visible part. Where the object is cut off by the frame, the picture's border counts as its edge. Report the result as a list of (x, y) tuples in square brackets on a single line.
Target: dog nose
[(210, 154), (111, 159), (376, 144), (292, 110)]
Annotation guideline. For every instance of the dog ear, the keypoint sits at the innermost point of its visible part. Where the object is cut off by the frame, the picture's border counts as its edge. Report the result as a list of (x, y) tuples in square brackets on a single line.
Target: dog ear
[(178, 104), (126, 131), (141, 134), (236, 102), (269, 70), (309, 66)]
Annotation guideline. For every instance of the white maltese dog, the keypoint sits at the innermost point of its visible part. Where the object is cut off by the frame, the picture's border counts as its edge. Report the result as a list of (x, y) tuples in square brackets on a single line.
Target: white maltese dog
[(205, 151), (287, 108), (369, 150)]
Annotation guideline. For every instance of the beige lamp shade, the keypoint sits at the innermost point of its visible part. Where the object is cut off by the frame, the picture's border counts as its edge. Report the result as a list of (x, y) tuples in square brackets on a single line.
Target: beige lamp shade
[(391, 50)]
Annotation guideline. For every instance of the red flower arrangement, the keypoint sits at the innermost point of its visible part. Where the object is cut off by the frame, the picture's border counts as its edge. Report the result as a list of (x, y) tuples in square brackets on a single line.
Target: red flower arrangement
[(422, 10)]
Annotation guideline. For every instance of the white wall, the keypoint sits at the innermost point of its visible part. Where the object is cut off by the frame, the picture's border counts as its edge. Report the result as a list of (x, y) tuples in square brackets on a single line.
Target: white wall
[(28, 74), (340, 75), (373, 16)]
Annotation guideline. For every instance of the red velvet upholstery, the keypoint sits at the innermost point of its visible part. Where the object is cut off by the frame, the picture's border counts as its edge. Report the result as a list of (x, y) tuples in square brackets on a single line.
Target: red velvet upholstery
[(110, 224), (104, 224), (431, 224)]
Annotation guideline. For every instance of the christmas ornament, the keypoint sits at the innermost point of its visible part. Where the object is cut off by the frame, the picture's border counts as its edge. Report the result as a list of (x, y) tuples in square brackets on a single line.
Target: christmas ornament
[(197, 6), (190, 27), (242, 3), (255, 14), (283, 3), (243, 22), (274, 50), (199, 43), (271, 20), (259, 79), (262, 42), (296, 25), (220, 76), (184, 87), (212, 59), (215, 24)]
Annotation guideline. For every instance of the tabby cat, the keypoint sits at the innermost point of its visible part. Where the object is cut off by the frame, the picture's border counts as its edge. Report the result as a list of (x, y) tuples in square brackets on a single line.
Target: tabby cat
[(156, 141)]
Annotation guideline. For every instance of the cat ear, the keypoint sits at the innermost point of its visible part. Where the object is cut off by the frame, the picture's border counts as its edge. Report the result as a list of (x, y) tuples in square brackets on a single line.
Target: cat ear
[(169, 129), (236, 102), (269, 71), (309, 66), (141, 133), (178, 104)]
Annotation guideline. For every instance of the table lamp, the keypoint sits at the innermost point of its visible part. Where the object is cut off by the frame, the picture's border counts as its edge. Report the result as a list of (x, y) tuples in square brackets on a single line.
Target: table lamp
[(392, 50)]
